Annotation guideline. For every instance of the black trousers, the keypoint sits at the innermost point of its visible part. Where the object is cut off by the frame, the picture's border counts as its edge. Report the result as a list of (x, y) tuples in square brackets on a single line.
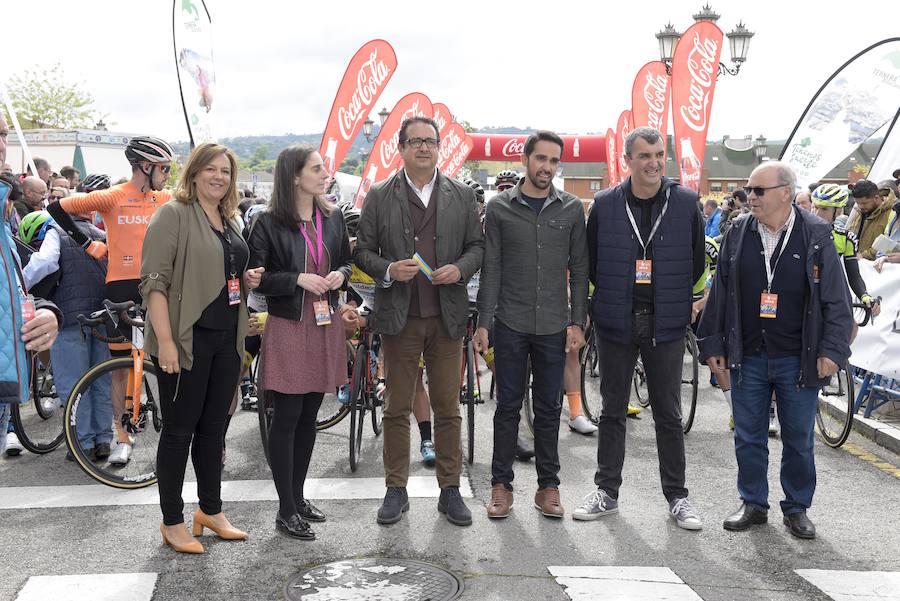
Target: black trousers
[(195, 404), (662, 365), (291, 441), (512, 350)]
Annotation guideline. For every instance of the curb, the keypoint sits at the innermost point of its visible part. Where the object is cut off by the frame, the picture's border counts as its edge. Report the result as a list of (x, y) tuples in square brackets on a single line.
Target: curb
[(883, 434)]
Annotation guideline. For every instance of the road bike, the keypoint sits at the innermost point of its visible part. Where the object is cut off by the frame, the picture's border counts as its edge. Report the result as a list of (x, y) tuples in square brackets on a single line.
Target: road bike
[(38, 421), (470, 382), (142, 416)]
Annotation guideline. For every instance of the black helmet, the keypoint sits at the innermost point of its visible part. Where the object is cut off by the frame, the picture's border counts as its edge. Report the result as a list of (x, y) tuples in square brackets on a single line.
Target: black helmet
[(506, 176), (148, 148), (351, 218), (95, 181), (479, 191)]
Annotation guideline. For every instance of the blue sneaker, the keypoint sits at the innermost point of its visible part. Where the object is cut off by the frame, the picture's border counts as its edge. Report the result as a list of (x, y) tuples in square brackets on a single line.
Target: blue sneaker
[(344, 394), (428, 455)]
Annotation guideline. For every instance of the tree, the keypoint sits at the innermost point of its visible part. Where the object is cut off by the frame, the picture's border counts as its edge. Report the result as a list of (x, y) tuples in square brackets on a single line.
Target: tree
[(43, 98), (258, 158)]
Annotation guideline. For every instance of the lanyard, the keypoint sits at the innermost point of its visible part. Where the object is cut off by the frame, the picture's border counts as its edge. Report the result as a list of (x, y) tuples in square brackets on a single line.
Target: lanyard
[(767, 258), (637, 231), (315, 253)]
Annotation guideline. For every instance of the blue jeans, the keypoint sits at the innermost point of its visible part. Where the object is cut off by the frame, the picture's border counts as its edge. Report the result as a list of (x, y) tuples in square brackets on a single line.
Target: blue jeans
[(751, 393), (72, 357), (4, 422), (512, 350)]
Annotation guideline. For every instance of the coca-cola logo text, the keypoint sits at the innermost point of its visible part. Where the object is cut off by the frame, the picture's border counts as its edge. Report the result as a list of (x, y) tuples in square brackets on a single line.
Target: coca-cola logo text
[(513, 148), (701, 64), (450, 144), (624, 130), (655, 96), (441, 121), (388, 149), (369, 79)]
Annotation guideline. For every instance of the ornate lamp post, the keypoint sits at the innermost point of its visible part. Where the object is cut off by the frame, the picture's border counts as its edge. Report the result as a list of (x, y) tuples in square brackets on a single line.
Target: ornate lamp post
[(738, 42)]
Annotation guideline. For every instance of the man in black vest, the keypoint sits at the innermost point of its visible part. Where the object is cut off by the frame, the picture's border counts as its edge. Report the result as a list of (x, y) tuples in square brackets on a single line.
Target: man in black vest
[(647, 262), (778, 316), (419, 212)]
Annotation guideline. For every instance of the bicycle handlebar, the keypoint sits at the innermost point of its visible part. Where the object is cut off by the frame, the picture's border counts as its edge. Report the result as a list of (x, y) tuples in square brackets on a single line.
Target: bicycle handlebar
[(112, 313)]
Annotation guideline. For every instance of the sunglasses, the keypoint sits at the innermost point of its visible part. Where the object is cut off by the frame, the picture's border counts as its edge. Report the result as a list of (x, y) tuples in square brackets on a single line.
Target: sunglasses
[(165, 168), (760, 190)]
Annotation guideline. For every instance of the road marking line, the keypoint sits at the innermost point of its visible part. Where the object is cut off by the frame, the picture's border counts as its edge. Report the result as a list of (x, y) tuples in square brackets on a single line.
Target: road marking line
[(846, 585), (622, 583), (90, 587), (875, 461), (41, 497)]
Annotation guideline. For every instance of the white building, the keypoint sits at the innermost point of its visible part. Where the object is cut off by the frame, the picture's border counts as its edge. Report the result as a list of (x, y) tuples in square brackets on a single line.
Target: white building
[(89, 151)]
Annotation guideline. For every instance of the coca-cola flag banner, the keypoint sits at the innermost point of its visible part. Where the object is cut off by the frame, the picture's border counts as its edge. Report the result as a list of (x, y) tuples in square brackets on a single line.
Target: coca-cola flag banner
[(650, 98), (450, 142), (459, 157), (365, 78), (192, 40), (611, 162), (623, 128), (695, 65), (852, 104), (507, 147), (443, 117), (385, 157)]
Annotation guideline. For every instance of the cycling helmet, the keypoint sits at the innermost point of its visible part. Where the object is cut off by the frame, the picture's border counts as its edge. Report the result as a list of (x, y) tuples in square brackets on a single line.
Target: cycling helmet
[(479, 191), (34, 226), (95, 181), (830, 195), (252, 212), (351, 218), (148, 148), (506, 176)]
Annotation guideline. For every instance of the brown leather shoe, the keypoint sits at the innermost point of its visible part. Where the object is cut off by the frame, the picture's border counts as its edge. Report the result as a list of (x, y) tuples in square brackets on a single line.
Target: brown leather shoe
[(501, 501), (547, 501), (217, 523)]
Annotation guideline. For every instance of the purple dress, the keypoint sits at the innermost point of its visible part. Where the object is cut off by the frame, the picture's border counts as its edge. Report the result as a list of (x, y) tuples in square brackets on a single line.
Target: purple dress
[(299, 356)]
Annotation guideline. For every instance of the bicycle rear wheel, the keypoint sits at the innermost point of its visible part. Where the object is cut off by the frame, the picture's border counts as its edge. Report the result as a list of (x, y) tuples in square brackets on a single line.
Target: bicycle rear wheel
[(265, 409), (470, 400), (335, 407), (90, 402), (690, 378), (39, 421), (640, 384), (591, 401), (357, 406), (834, 408)]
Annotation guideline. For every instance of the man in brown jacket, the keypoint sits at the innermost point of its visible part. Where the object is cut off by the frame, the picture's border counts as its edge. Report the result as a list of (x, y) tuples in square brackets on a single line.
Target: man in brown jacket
[(869, 216), (420, 212)]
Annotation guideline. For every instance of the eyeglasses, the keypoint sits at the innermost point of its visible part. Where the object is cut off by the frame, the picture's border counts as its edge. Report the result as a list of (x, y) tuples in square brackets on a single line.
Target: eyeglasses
[(417, 142), (760, 190)]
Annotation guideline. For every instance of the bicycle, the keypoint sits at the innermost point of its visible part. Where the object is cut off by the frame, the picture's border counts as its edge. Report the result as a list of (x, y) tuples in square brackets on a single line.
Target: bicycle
[(470, 381), (363, 392), (39, 421), (142, 416), (837, 400)]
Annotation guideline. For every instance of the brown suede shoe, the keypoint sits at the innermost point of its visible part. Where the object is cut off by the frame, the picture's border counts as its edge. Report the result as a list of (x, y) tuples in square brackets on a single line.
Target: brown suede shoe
[(547, 501), (501, 501)]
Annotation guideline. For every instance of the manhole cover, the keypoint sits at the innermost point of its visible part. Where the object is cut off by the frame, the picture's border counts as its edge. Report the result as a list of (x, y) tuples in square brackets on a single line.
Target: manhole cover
[(374, 579)]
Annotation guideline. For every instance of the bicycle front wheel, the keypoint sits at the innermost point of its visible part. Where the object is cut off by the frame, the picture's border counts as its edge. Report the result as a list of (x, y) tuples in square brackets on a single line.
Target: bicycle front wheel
[(834, 408), (591, 401), (690, 378), (357, 405), (39, 421), (470, 399), (89, 404), (335, 407), (640, 384)]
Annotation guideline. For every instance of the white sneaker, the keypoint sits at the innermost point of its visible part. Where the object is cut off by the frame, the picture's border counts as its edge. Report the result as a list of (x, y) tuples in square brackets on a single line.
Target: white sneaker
[(13, 446), (773, 426), (685, 515), (121, 455), (582, 425), (596, 504)]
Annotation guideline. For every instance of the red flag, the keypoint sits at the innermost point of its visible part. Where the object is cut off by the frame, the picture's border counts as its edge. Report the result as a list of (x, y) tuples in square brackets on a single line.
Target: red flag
[(443, 117), (623, 128), (694, 69), (366, 76), (611, 162), (650, 97), (507, 147), (450, 142), (385, 157), (459, 157)]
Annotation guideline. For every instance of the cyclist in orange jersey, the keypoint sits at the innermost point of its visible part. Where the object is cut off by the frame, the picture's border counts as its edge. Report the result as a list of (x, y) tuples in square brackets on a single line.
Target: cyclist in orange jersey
[(126, 210)]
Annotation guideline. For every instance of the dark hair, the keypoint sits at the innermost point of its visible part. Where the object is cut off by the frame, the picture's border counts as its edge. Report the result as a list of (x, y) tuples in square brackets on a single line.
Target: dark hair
[(812, 187), (711, 202), (68, 171), (864, 189), (288, 165), (647, 134), (401, 139), (40, 163), (740, 195), (542, 136)]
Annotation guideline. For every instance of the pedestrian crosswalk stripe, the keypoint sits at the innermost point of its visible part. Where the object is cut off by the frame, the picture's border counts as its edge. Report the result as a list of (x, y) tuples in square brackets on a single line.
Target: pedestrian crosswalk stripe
[(847, 585), (39, 497), (90, 587), (622, 583)]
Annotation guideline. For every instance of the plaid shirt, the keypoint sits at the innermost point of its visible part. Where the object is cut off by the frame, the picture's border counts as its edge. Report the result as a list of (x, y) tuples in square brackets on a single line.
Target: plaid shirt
[(770, 238)]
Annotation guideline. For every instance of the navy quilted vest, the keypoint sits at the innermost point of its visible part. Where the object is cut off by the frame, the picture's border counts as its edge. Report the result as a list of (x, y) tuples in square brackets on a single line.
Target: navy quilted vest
[(82, 280)]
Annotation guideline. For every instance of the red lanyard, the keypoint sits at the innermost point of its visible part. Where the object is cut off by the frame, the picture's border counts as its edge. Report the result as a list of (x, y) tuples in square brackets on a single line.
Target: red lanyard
[(317, 252)]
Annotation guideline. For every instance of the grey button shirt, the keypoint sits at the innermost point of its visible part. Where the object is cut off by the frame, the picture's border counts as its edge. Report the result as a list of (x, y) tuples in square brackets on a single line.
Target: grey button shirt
[(526, 259)]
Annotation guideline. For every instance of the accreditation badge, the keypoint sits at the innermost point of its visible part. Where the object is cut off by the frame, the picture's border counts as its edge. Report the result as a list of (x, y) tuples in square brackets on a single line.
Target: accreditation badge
[(234, 291), (768, 305), (323, 312), (643, 268)]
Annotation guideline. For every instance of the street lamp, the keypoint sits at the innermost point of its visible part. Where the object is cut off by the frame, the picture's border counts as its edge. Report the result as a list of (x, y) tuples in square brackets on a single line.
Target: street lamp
[(738, 42), (383, 114), (760, 148), (368, 124)]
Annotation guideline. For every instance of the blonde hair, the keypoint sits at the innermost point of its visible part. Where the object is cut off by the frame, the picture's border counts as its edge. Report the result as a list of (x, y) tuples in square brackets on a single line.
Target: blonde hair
[(200, 157)]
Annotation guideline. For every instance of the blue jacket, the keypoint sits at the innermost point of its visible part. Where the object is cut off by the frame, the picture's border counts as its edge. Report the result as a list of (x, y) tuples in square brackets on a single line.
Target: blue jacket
[(612, 267), (827, 323), (714, 223), (13, 360)]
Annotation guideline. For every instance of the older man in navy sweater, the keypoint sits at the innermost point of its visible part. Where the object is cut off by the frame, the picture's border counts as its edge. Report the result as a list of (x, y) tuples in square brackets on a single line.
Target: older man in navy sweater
[(779, 318)]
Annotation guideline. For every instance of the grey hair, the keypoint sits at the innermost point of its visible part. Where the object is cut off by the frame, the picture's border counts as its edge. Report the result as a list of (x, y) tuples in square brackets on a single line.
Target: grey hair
[(786, 176), (647, 134)]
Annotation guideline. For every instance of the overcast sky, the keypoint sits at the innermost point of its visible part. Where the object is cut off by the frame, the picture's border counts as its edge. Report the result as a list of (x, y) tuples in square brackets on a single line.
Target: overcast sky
[(565, 65)]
